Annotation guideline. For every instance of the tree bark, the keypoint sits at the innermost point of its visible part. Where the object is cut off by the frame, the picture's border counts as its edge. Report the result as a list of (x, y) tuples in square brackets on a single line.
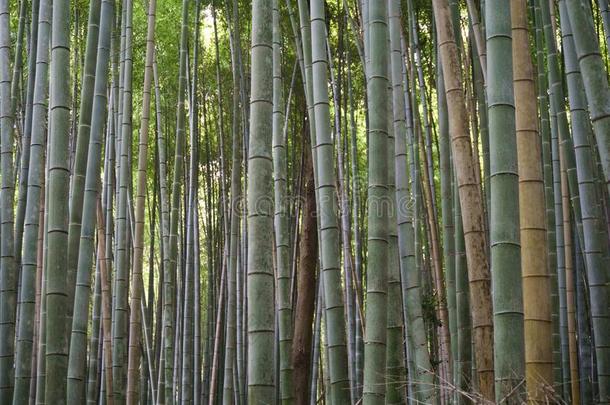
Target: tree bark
[(306, 282)]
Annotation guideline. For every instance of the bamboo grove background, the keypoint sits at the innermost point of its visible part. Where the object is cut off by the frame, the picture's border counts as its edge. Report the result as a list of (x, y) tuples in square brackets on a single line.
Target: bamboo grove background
[(304, 201)]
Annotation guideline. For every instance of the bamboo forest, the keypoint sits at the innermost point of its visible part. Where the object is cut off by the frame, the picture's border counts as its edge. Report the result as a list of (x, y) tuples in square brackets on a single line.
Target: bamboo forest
[(335, 202)]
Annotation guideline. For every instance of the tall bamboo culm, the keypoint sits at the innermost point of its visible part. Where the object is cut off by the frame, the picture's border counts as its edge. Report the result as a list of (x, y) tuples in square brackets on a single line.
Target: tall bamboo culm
[(471, 202), (536, 284), (260, 280), (57, 207), (374, 389)]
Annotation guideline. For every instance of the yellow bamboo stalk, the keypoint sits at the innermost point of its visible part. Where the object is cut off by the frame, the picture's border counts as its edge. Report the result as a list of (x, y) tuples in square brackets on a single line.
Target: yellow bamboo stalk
[(535, 274)]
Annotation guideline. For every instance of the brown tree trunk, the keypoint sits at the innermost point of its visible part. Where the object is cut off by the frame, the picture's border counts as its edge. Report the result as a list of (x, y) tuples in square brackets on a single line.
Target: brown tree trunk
[(306, 284)]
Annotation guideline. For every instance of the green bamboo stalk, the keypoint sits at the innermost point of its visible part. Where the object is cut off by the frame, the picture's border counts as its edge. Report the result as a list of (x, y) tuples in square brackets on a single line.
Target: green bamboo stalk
[(584, 332), (355, 187), (283, 297), (421, 373), (76, 364), (93, 381), (597, 89), (395, 362), (423, 378), (507, 293), (337, 81), (104, 253), (595, 247), (27, 129), (597, 93), (58, 189), (77, 182), (8, 281), (193, 250), (42, 335), (25, 332), (597, 279), (559, 247), (261, 324), (38, 303), (232, 331), (569, 281), (121, 280), (164, 231), (327, 202), (41, 344), (374, 389), (168, 290)]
